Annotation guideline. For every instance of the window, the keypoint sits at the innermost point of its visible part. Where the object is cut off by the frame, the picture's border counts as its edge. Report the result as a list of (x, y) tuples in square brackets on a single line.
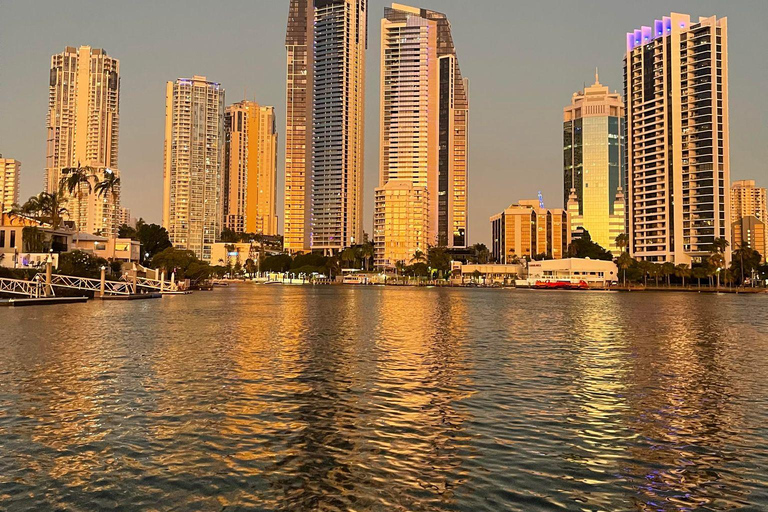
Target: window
[(13, 239)]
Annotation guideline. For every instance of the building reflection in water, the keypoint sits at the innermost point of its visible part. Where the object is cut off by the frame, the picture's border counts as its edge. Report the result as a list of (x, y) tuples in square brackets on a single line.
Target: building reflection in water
[(652, 404)]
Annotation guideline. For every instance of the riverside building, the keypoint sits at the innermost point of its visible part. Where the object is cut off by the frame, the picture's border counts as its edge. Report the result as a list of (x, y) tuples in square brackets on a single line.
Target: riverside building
[(10, 170), (593, 158), (326, 42), (422, 195), (250, 169), (194, 151), (749, 215), (676, 93), (82, 125), (526, 230)]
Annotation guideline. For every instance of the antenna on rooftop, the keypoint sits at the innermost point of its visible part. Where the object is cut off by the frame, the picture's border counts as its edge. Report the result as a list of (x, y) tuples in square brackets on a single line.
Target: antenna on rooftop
[(541, 200)]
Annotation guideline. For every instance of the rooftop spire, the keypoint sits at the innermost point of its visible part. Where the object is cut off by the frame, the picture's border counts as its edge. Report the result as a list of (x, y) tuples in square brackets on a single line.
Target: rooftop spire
[(597, 77)]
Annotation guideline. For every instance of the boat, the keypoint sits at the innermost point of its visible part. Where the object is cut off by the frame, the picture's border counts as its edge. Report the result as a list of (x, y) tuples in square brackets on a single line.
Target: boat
[(561, 285)]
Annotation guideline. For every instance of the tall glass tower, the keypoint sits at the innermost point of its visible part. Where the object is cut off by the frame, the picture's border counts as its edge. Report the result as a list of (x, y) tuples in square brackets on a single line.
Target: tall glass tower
[(326, 42), (593, 160)]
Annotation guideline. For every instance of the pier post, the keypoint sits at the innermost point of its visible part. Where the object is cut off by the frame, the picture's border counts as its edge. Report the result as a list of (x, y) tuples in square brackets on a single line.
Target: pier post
[(162, 281), (135, 276), (48, 278), (103, 284)]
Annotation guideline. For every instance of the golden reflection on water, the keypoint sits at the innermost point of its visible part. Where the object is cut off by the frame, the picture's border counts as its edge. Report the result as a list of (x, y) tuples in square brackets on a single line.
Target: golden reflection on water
[(300, 398)]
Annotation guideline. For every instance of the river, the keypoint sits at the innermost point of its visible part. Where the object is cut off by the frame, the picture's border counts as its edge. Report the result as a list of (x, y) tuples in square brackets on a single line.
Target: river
[(298, 398)]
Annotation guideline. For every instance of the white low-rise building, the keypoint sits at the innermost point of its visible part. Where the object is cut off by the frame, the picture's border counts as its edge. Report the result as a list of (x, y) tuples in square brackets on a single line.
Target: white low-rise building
[(593, 272)]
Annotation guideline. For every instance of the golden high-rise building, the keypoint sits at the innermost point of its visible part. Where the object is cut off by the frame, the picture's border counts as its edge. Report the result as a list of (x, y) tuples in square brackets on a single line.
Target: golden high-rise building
[(82, 130), (749, 216), (676, 94), (594, 151), (194, 153), (423, 128), (10, 170), (326, 42), (250, 168), (525, 230)]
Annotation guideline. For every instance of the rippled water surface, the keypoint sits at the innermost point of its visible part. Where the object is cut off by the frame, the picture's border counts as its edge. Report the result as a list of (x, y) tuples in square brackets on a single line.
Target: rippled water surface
[(343, 398)]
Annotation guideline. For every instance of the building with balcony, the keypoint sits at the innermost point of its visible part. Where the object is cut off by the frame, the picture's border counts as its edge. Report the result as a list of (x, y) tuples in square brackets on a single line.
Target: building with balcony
[(423, 127), (326, 42), (678, 172), (192, 175), (10, 172), (749, 216), (250, 169), (83, 124)]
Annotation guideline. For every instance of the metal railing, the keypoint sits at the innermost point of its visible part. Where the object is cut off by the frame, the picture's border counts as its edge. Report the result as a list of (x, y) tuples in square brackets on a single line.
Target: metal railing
[(88, 284), (40, 287), (34, 289)]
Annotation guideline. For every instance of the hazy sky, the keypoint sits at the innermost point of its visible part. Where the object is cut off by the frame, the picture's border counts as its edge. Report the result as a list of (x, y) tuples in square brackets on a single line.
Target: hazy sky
[(524, 59)]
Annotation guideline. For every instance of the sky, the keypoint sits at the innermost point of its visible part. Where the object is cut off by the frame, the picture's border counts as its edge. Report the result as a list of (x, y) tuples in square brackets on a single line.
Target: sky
[(524, 61)]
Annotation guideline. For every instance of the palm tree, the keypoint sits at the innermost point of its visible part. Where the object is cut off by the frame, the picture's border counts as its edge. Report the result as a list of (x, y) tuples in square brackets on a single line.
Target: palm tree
[(682, 271), (625, 261), (109, 185), (75, 177), (622, 241), (349, 255), (367, 253), (717, 258), (419, 257), (73, 182), (52, 207), (667, 269)]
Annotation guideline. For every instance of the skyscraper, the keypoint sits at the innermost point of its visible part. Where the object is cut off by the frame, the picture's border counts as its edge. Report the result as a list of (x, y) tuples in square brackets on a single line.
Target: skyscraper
[(676, 93), (749, 216), (326, 42), (10, 170), (298, 126), (593, 159), (82, 131), (250, 166), (194, 151), (423, 130)]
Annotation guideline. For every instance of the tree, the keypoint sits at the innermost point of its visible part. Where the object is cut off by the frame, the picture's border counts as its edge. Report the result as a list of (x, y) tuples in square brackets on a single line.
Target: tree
[(277, 263), (184, 263), (646, 267), (44, 207), (250, 267), (109, 185), (624, 262), (333, 264), (367, 253), (75, 179), (418, 257), (126, 231), (700, 273), (622, 241), (745, 261), (438, 259), (81, 264), (33, 239), (682, 271), (667, 269), (154, 238), (480, 254), (349, 255), (229, 236), (584, 247), (717, 256)]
